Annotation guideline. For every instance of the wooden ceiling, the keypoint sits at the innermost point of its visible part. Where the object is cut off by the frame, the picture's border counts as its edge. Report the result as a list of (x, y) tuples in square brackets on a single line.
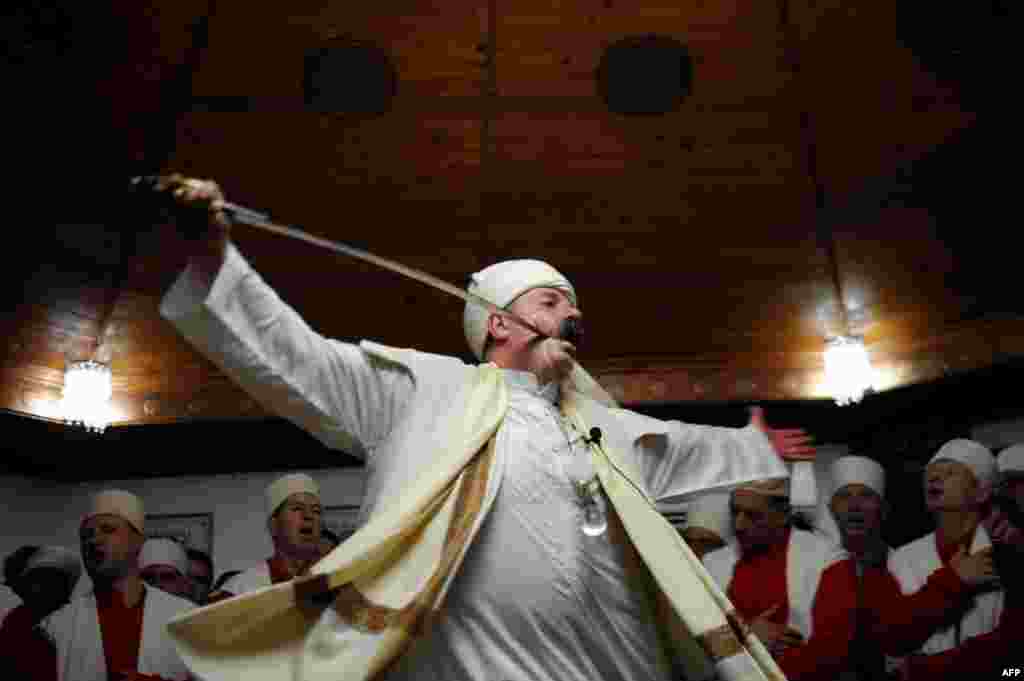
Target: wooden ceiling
[(697, 239)]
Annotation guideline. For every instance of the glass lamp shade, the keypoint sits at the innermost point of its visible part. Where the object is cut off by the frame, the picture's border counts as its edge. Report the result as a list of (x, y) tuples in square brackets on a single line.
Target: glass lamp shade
[(86, 398), (848, 371)]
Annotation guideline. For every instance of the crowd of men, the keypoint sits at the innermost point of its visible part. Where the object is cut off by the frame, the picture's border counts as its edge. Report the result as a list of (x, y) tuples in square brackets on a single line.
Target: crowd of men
[(834, 602), (116, 629), (838, 603)]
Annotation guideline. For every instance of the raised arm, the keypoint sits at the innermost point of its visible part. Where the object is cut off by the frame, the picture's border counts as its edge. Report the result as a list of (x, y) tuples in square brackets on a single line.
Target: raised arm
[(337, 392), (679, 459)]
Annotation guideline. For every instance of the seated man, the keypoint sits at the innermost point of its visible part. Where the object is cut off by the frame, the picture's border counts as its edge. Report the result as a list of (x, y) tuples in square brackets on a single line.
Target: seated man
[(795, 589), (43, 578), (163, 564), (293, 520), (118, 629), (958, 485)]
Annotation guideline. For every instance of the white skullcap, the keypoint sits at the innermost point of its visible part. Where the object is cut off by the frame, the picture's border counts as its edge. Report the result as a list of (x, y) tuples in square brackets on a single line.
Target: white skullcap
[(164, 552), (858, 470), (501, 284), (285, 486), (1011, 459), (57, 557), (975, 456), (120, 503), (711, 512)]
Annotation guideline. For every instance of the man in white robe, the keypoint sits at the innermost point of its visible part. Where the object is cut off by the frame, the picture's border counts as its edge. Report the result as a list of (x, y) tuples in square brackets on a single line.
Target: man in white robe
[(535, 598), (118, 629), (958, 484), (294, 514)]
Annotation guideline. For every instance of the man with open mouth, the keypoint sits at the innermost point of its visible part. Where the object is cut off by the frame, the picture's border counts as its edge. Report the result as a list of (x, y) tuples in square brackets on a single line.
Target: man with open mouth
[(116, 631), (887, 622), (958, 483), (293, 521)]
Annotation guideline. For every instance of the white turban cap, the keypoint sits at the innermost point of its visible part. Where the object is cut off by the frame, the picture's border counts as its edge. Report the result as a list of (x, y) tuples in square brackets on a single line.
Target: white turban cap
[(164, 552), (287, 485), (975, 456), (501, 284), (120, 503), (711, 512), (858, 470), (1011, 459), (57, 557)]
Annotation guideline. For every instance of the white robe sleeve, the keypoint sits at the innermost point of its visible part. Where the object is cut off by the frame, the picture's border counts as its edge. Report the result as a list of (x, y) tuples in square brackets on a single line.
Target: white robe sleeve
[(341, 395), (678, 460)]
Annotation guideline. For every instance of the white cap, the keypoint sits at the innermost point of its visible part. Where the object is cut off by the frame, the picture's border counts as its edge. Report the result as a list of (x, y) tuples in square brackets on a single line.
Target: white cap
[(1011, 460), (972, 454), (858, 470), (57, 557), (711, 512), (120, 503), (287, 485), (164, 552), (501, 284)]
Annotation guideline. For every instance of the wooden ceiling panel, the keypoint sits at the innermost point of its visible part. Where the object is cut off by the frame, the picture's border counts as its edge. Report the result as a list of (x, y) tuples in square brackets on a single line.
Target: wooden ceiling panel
[(255, 53), (872, 104), (547, 49), (696, 238)]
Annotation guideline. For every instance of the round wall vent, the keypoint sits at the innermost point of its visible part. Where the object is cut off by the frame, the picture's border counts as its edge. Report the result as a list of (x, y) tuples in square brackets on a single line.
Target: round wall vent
[(649, 74), (350, 77)]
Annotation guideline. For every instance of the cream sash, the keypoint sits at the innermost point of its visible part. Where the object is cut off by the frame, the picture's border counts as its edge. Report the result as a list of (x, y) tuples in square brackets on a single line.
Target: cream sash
[(699, 611)]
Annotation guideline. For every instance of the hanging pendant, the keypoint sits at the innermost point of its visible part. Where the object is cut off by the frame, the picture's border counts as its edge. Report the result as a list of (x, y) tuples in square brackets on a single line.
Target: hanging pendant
[(595, 519)]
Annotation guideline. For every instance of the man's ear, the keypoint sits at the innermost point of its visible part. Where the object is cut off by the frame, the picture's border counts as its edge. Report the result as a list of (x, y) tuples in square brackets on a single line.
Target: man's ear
[(498, 327)]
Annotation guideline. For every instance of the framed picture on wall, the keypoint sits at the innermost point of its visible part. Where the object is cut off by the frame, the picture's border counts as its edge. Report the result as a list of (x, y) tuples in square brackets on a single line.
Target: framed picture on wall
[(193, 530), (341, 520)]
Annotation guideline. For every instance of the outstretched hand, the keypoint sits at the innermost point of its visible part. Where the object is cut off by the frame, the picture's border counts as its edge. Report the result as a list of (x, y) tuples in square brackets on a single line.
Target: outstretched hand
[(792, 444)]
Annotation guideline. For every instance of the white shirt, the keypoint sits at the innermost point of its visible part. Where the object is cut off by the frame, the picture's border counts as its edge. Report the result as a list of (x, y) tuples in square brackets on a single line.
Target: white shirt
[(536, 599)]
